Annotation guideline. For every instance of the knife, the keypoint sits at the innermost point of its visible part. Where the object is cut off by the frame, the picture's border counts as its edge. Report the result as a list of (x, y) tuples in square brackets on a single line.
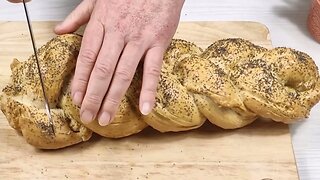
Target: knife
[(46, 103)]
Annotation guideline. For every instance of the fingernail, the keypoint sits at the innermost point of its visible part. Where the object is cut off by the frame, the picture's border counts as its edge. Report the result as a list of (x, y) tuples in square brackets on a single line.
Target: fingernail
[(104, 119), (86, 116), (146, 108), (77, 98)]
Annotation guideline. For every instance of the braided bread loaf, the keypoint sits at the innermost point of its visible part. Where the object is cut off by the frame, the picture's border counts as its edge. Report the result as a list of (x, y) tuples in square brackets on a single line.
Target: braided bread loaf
[(231, 83)]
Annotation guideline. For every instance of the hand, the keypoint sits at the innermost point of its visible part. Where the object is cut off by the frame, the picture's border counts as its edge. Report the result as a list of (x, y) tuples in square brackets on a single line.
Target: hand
[(118, 35)]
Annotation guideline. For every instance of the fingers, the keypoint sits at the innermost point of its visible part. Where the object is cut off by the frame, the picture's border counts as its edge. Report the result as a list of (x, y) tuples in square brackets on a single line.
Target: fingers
[(151, 74), (91, 43), (76, 18), (122, 78), (101, 76)]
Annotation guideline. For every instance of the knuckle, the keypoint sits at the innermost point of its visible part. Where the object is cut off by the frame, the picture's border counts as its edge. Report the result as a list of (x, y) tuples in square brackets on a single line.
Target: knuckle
[(87, 57), (80, 81), (123, 75), (111, 101), (136, 42), (102, 71), (135, 39), (153, 71), (93, 99)]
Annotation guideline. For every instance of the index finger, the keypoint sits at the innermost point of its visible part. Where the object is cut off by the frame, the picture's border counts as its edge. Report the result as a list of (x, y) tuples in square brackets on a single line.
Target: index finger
[(123, 75), (90, 47)]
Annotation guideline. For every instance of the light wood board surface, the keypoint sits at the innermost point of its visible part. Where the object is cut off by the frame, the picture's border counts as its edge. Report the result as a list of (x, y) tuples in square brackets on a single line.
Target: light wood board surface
[(260, 151)]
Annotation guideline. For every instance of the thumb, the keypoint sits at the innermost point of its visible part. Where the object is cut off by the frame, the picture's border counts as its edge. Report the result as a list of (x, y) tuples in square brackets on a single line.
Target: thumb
[(76, 18)]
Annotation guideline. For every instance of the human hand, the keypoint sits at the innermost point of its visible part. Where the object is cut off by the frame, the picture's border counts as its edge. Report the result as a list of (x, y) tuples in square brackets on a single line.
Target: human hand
[(118, 35)]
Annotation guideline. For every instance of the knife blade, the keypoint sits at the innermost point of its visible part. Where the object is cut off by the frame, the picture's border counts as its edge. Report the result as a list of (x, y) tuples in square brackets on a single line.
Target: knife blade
[(46, 103)]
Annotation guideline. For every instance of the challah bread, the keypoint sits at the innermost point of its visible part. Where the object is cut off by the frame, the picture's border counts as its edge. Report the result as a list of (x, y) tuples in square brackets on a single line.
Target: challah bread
[(127, 120), (231, 83), (22, 100), (31, 121), (282, 84), (175, 108), (217, 99), (214, 92)]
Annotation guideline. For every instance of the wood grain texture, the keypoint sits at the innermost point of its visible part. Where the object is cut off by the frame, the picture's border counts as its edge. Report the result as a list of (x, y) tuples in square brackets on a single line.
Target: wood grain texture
[(261, 150)]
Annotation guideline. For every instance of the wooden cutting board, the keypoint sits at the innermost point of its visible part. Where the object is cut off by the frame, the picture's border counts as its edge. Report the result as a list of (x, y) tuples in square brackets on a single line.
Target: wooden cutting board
[(262, 150)]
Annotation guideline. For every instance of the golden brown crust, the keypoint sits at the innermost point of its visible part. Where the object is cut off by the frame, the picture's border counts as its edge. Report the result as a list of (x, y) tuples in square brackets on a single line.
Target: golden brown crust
[(32, 123), (282, 84), (175, 108), (127, 120), (22, 100), (214, 93), (231, 83), (57, 60)]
